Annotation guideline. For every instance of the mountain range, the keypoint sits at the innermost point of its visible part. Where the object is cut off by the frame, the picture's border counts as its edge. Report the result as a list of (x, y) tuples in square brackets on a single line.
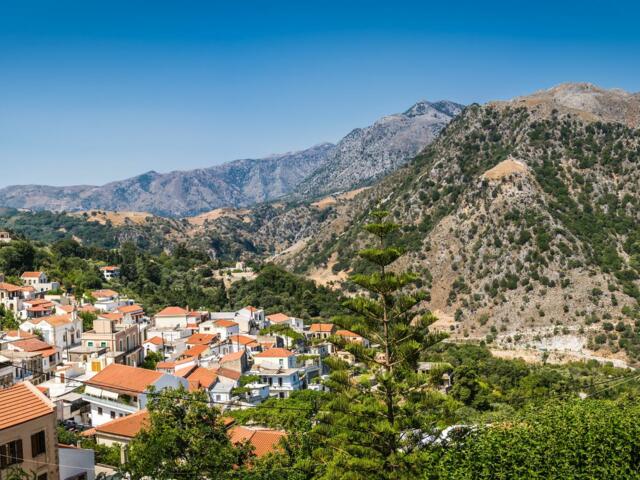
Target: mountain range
[(362, 156)]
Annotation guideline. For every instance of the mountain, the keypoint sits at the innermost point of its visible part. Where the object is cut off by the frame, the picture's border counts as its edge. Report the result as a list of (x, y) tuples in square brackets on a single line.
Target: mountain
[(523, 220), (366, 154), (239, 183), (361, 156)]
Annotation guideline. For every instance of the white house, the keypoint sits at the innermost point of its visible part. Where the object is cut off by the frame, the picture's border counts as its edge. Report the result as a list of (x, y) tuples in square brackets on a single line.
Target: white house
[(110, 272), (107, 300), (275, 358), (281, 381), (39, 281), (172, 317), (62, 331), (120, 390), (282, 319), (222, 327)]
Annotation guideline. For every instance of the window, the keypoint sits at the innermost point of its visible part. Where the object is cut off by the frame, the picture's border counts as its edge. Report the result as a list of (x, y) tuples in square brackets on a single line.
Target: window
[(11, 453), (103, 344), (38, 444), (89, 344), (99, 410), (113, 414), (42, 476)]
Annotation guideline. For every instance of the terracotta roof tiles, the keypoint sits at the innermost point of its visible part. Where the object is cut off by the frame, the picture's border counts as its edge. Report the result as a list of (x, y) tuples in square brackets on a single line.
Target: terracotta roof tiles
[(33, 404)]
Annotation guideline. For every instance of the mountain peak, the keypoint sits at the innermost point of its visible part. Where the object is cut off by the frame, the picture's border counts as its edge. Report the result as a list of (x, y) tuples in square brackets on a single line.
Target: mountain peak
[(424, 107)]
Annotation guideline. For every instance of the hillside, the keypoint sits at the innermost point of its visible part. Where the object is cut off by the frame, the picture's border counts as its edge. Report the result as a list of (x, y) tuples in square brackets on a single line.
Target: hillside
[(363, 155), (523, 219), (367, 154)]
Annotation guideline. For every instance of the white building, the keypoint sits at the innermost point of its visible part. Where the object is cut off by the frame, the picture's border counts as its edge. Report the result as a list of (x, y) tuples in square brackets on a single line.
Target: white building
[(172, 317), (120, 390), (223, 328), (39, 281), (62, 331), (110, 272), (282, 319), (275, 358)]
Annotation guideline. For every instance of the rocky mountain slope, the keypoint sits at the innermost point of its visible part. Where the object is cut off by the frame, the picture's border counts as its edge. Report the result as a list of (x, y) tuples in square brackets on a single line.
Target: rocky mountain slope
[(362, 155), (239, 183), (523, 218), (368, 153)]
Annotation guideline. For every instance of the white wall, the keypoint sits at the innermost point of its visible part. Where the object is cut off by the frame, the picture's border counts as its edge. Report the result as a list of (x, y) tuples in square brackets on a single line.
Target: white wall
[(76, 461)]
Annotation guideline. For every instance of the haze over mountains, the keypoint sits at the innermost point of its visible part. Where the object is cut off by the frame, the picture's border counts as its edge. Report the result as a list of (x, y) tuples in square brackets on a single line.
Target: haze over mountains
[(361, 156)]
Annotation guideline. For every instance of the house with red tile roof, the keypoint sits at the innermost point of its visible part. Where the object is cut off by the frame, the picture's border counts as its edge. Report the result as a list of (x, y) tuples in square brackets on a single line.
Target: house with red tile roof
[(222, 327), (62, 331), (122, 430), (172, 317), (39, 281), (235, 361), (352, 337), (28, 431), (45, 355), (282, 319), (275, 358), (321, 330), (110, 272), (120, 390)]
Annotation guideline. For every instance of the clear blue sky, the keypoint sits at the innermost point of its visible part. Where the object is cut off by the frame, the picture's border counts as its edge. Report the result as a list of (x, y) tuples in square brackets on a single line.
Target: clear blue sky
[(94, 91)]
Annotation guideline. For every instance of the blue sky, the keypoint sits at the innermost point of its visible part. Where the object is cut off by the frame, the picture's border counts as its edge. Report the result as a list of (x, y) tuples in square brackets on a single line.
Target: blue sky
[(97, 91)]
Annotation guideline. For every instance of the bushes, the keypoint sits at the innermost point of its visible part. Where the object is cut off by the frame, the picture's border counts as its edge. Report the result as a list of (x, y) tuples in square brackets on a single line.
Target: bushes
[(575, 440)]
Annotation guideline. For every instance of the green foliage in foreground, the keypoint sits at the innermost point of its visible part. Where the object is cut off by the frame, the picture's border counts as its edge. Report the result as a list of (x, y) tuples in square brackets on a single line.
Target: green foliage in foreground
[(571, 441)]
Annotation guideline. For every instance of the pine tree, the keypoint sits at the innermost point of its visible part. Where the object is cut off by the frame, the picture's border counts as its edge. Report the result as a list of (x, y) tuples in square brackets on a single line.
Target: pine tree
[(376, 419)]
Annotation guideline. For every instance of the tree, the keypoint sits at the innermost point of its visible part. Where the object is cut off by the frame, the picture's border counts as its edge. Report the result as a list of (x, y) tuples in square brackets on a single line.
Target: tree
[(17, 257), (151, 360), (374, 421), (185, 438)]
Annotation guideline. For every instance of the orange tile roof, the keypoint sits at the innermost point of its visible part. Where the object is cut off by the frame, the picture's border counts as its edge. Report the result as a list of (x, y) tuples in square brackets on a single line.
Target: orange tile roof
[(227, 373), (243, 340), (9, 287), (263, 440), (172, 312), (31, 274), (232, 357), (88, 308), (109, 268), (31, 345), (203, 376), (174, 363), (201, 339), (66, 308), (321, 327), (155, 340), (225, 323), (124, 378), (20, 334), (111, 316), (196, 351), (128, 426), (275, 352), (107, 292), (41, 308), (347, 333), (28, 288), (54, 320), (130, 308), (32, 404), (278, 318)]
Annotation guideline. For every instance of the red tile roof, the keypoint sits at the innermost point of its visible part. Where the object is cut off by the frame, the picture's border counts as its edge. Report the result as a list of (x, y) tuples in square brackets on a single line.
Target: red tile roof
[(203, 376), (347, 333), (32, 404), (225, 323), (196, 351), (201, 339), (228, 373), (243, 340), (124, 378), (263, 440), (232, 357), (9, 287), (321, 327), (54, 320), (109, 268), (278, 318), (155, 340), (104, 293), (127, 427), (31, 345), (130, 309), (274, 352), (31, 274), (172, 312)]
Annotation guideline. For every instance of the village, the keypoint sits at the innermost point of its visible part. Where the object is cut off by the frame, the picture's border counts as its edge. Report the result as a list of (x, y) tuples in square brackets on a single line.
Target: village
[(98, 380)]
